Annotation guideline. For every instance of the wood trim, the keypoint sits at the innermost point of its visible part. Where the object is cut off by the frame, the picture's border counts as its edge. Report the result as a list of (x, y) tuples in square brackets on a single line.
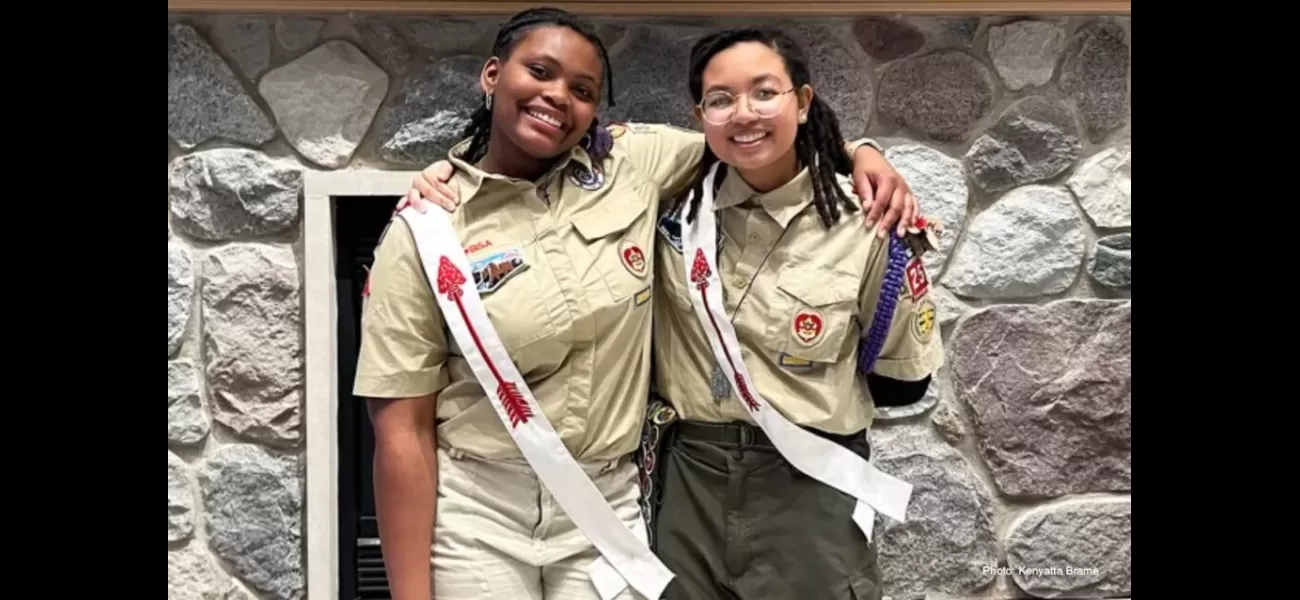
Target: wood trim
[(784, 8)]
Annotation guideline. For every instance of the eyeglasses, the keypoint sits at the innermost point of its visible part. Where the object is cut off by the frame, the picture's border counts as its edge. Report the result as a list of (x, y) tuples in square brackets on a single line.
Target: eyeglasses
[(718, 108)]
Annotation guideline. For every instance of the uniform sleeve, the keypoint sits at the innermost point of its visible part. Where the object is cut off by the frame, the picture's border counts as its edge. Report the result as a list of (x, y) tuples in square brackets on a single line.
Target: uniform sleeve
[(668, 155), (913, 347), (403, 342)]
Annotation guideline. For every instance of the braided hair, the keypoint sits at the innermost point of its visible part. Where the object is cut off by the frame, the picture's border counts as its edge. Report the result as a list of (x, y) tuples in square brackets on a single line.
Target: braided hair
[(597, 142), (819, 145)]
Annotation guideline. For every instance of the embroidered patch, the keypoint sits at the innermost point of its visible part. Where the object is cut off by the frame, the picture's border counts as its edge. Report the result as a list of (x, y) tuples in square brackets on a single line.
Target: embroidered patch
[(671, 230), (807, 327), (616, 130), (491, 271), (587, 179), (923, 317), (478, 246), (917, 281), (633, 258), (794, 362), (643, 296)]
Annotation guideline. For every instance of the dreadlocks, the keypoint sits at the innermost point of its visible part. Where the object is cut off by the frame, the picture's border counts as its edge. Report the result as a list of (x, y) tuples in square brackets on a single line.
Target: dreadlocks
[(819, 145), (479, 130)]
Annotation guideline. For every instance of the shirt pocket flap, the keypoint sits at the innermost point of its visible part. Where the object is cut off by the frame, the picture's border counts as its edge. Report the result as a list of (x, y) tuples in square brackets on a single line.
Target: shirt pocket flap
[(611, 216), (818, 289)]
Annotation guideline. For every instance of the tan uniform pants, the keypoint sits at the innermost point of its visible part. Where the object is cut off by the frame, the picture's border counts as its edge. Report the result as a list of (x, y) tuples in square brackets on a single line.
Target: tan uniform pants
[(501, 535)]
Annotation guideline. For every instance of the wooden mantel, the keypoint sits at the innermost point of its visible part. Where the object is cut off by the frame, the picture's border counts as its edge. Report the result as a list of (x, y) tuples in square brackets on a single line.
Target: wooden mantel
[(668, 7)]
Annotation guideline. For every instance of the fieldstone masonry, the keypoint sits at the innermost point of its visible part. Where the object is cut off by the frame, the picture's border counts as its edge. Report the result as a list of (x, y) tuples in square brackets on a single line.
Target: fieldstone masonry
[(1015, 132)]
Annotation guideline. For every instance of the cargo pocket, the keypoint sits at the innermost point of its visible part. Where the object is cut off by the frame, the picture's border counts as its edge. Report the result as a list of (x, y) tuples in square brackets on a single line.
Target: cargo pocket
[(812, 312), (623, 260)]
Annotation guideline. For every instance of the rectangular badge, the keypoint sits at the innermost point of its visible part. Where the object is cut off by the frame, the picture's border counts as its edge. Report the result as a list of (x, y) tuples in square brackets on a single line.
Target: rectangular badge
[(492, 271), (917, 282), (643, 296), (794, 362)]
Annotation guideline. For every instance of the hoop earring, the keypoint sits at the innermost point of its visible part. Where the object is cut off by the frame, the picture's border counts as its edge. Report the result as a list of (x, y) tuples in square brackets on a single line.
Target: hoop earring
[(487, 101)]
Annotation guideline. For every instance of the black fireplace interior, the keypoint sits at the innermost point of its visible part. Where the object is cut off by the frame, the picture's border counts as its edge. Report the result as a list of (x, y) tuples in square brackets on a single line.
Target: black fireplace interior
[(358, 223)]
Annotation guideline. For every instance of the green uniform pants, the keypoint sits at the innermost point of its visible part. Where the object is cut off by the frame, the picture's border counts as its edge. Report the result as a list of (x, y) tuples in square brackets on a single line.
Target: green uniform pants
[(735, 521)]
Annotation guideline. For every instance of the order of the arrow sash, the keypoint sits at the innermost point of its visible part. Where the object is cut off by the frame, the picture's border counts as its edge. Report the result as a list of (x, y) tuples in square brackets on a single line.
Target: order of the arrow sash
[(625, 559), (816, 456)]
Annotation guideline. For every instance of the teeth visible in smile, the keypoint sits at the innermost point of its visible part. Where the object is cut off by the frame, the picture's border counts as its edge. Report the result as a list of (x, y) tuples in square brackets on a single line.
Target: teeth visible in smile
[(746, 138), (544, 118)]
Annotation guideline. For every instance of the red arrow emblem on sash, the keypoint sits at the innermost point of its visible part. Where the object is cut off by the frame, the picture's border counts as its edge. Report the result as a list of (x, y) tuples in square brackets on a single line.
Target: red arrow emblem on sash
[(700, 272), (450, 280)]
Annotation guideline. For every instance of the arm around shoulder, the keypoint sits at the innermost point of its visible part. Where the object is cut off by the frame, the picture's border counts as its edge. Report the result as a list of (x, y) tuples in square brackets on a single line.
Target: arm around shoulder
[(667, 155)]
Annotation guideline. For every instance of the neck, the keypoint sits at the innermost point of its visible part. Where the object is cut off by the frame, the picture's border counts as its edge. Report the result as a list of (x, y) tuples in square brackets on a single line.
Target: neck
[(505, 158), (773, 175)]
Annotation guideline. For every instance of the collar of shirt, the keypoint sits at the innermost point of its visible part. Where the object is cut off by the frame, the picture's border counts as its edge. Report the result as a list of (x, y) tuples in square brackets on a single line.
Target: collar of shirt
[(782, 204), (470, 178)]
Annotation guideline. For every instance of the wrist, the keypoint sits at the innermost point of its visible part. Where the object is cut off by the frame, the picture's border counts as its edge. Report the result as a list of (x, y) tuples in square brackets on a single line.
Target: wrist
[(868, 145)]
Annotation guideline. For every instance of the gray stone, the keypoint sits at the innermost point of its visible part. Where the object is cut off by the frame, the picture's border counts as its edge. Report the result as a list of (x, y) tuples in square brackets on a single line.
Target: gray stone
[(187, 421), (180, 500), (1095, 74), (939, 183), (432, 111), (1034, 140), (1029, 243), (1078, 549), (386, 45), (180, 294), (947, 422), (326, 133), (839, 74), (228, 194), (946, 31), (298, 34), (1111, 262), (192, 574), (949, 307), (948, 538), (887, 39), (650, 67), (1025, 53), (1049, 389), (941, 95), (252, 504), (246, 41), (204, 99), (447, 37), (1103, 184), (252, 318)]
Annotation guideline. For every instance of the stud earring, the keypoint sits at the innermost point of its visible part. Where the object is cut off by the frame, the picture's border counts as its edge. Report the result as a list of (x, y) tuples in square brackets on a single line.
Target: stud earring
[(803, 118)]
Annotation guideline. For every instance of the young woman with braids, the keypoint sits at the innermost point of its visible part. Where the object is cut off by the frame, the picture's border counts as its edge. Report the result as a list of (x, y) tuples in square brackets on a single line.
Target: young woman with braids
[(557, 219)]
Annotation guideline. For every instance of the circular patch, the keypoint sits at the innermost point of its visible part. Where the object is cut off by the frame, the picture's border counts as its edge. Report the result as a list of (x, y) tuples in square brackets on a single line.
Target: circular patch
[(633, 258), (923, 317), (587, 179), (616, 130), (807, 327)]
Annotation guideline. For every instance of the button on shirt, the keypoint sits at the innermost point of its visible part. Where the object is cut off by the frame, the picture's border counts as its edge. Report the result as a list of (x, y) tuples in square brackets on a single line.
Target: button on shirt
[(800, 297)]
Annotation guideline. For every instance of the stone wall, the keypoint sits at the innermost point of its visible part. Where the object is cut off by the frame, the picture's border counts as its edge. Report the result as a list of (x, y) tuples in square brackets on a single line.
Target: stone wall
[(1014, 132)]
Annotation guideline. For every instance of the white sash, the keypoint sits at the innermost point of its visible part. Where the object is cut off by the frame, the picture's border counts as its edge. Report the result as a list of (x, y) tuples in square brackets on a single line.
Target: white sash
[(625, 559), (818, 457)]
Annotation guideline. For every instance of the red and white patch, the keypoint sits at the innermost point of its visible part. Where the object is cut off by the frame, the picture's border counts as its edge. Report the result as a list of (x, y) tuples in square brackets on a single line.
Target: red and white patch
[(807, 327), (477, 246), (633, 258), (918, 283)]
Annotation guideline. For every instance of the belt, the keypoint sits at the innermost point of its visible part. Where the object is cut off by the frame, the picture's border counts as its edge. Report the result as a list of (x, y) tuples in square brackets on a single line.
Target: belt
[(745, 435)]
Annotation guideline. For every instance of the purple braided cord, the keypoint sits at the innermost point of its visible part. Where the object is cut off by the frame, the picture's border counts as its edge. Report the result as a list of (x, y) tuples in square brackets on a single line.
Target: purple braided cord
[(874, 340), (598, 142)]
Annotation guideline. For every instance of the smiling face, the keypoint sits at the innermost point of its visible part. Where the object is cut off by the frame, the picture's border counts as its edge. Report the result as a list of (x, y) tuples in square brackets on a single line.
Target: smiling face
[(544, 94), (764, 108)]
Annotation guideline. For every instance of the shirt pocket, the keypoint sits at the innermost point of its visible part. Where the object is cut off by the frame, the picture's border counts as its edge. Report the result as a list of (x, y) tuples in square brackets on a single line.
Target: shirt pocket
[(812, 310), (619, 243)]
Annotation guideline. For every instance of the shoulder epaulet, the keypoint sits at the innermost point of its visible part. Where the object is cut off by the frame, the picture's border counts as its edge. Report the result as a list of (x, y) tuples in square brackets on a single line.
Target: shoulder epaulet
[(925, 236)]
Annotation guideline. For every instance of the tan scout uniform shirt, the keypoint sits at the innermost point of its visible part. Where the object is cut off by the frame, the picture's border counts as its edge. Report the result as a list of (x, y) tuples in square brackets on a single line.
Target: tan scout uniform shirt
[(800, 297), (566, 271)]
